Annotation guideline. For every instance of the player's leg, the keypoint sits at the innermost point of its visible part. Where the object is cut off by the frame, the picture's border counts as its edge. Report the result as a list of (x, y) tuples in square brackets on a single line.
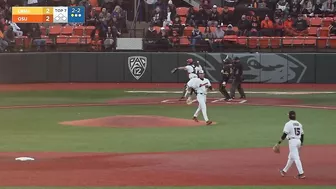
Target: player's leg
[(185, 91), (296, 157), (202, 101), (290, 162), (197, 111), (222, 89), (233, 88), (241, 91)]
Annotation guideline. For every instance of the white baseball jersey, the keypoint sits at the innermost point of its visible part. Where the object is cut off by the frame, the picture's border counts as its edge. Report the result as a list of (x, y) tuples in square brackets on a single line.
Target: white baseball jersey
[(198, 68), (293, 129), (191, 69), (200, 85)]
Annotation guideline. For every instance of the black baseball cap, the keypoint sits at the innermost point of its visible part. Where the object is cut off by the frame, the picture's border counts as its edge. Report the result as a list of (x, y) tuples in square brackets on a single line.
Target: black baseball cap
[(291, 114)]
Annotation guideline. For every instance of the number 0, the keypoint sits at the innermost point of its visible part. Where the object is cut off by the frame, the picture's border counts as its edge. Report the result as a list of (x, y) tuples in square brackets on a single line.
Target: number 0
[(297, 131)]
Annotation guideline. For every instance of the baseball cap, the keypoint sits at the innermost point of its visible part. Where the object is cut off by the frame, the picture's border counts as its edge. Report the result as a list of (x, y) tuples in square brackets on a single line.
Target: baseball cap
[(291, 113), (201, 72)]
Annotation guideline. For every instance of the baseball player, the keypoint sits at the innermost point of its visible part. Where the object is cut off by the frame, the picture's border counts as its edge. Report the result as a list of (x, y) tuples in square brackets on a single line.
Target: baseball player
[(192, 73), (237, 77), (201, 86), (226, 74), (293, 131)]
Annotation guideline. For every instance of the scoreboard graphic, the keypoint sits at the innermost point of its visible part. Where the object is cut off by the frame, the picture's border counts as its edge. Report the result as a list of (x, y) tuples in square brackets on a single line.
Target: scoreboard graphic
[(61, 15)]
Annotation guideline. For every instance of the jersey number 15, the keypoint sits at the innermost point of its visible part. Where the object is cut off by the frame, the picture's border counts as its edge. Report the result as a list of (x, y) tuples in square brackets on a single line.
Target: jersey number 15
[(297, 131)]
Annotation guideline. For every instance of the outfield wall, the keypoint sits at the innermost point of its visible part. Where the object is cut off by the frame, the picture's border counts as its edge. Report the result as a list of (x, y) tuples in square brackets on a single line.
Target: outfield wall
[(156, 67)]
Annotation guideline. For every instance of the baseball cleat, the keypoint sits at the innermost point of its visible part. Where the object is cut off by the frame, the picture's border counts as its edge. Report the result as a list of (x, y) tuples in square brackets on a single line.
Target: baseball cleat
[(195, 119), (242, 97), (209, 122), (182, 98), (282, 173), (300, 176), (228, 99)]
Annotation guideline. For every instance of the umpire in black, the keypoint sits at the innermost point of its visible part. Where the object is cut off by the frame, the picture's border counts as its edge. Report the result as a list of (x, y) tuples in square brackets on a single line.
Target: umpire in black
[(237, 79), (226, 74)]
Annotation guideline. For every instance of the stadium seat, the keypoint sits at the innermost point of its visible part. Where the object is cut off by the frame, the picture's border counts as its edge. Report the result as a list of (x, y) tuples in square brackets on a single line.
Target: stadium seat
[(202, 29), (321, 42), (298, 41), (55, 30), (43, 30), (232, 38), (22, 42), (88, 30), (315, 21), (182, 11), (310, 41), (85, 40), (61, 39), (264, 42), (94, 3), (332, 42), (253, 42), (242, 40), (183, 20), (275, 42), (184, 41), (78, 30), (287, 41), (323, 32), (47, 39), (188, 31), (312, 31), (327, 21), (73, 40), (67, 30)]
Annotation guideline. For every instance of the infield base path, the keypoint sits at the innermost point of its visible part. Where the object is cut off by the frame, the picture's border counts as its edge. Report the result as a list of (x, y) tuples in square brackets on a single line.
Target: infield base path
[(190, 168)]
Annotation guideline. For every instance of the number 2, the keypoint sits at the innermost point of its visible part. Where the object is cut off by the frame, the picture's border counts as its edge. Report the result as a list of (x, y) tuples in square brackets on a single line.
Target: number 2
[(47, 11), (47, 18), (297, 131)]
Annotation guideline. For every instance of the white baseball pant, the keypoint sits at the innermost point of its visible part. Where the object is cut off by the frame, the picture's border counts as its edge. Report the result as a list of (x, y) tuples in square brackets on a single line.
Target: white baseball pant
[(186, 89), (201, 98), (293, 156)]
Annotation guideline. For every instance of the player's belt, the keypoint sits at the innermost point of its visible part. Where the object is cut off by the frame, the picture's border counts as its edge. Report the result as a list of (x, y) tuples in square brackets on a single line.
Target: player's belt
[(292, 138)]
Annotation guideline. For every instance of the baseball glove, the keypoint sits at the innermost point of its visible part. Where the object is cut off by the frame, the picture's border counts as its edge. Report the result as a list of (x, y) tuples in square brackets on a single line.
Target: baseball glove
[(276, 148), (174, 70), (189, 101)]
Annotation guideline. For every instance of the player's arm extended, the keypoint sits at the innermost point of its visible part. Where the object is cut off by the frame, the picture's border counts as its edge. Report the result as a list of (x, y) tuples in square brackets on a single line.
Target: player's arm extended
[(181, 68), (282, 138)]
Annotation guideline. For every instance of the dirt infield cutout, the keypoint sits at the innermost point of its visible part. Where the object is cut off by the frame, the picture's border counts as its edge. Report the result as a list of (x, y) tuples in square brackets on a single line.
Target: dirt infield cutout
[(135, 121), (258, 166)]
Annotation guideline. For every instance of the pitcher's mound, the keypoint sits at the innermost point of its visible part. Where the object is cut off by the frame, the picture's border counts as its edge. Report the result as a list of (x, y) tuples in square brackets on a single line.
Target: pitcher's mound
[(135, 121)]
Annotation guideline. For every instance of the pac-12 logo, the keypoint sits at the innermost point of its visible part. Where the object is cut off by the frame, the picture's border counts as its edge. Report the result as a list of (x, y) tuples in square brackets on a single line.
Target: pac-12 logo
[(137, 66)]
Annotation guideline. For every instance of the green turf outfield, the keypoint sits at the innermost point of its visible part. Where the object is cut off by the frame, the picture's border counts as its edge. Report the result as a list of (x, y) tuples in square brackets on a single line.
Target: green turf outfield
[(38, 129), (96, 96)]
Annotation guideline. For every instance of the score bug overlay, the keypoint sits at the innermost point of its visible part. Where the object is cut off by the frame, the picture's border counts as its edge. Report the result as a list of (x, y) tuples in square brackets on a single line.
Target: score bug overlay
[(61, 15)]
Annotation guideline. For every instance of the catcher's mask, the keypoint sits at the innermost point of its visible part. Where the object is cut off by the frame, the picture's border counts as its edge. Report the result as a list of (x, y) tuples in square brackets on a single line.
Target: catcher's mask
[(292, 115), (190, 61)]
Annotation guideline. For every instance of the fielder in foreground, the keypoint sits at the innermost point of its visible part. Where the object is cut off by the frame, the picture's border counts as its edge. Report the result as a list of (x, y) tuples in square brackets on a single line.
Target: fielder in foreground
[(293, 131), (201, 86)]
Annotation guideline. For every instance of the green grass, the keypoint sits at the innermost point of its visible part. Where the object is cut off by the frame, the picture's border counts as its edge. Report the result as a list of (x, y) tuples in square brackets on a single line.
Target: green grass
[(100, 96), (261, 127), (255, 126)]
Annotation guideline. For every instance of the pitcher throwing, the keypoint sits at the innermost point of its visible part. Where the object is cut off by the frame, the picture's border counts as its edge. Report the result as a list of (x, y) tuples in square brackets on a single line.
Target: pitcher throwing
[(293, 131), (200, 85)]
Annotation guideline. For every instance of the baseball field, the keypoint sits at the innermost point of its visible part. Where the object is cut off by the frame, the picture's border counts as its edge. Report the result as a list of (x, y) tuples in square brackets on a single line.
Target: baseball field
[(131, 136)]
